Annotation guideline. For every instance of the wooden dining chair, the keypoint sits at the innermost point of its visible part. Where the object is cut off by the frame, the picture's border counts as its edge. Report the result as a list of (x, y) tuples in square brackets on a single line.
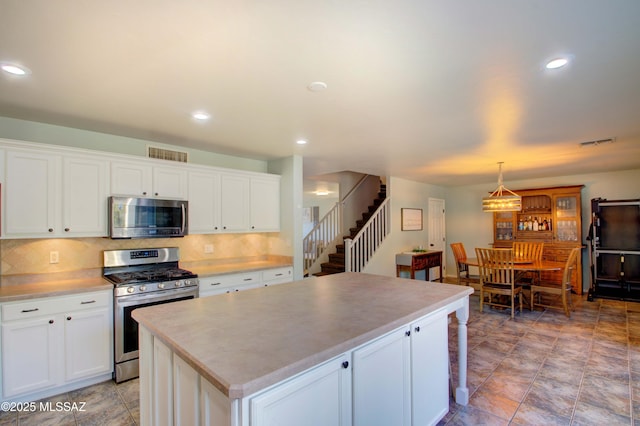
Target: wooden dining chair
[(462, 269), (497, 278), (553, 288), (528, 251)]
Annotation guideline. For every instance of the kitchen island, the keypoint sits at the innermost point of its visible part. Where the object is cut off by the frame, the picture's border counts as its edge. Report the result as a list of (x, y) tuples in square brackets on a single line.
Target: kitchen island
[(347, 348)]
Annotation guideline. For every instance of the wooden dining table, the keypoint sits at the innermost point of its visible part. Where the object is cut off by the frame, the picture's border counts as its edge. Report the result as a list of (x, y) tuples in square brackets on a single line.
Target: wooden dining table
[(523, 264)]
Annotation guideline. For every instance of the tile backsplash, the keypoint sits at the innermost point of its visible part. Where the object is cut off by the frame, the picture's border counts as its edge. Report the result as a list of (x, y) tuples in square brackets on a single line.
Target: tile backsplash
[(31, 256)]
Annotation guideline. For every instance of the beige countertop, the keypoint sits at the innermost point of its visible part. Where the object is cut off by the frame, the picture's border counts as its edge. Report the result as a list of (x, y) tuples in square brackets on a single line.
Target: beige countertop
[(246, 341), (205, 269), (55, 287), (32, 286)]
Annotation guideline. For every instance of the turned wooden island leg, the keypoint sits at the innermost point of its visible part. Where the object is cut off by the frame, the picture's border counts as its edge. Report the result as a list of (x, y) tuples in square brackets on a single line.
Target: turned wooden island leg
[(462, 392)]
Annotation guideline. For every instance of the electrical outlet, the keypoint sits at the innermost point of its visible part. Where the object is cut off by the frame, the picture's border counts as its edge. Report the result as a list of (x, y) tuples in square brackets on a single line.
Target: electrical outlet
[(54, 257), (208, 248)]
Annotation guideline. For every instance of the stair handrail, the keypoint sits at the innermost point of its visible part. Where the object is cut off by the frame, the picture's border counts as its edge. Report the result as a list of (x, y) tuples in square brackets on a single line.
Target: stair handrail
[(347, 201), (362, 247), (323, 234), (329, 229), (355, 187)]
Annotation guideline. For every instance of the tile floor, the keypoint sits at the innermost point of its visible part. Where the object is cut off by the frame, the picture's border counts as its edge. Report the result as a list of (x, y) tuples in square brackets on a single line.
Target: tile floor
[(540, 368), (107, 404), (543, 368)]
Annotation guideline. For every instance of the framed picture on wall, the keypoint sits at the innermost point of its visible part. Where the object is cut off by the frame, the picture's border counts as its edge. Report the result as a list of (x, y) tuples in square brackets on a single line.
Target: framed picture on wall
[(411, 219)]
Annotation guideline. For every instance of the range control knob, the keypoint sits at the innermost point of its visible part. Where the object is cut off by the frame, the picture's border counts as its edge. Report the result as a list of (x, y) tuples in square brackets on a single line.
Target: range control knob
[(143, 287), (179, 283), (161, 286), (130, 289)]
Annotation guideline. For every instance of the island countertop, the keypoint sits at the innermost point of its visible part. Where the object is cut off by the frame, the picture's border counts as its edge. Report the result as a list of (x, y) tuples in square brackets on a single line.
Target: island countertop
[(246, 341)]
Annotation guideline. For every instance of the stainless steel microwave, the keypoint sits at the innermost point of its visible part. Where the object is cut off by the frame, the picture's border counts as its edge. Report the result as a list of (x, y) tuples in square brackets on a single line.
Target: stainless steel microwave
[(147, 218)]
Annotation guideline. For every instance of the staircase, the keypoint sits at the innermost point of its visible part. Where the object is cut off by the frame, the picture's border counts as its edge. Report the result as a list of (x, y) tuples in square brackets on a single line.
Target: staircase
[(336, 262)]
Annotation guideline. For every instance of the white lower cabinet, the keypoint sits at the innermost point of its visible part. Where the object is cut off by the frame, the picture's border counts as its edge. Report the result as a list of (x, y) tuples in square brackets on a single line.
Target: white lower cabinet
[(87, 342), (319, 397), (29, 356), (277, 276), (230, 283), (398, 379), (382, 381), (53, 342), (402, 378), (429, 370)]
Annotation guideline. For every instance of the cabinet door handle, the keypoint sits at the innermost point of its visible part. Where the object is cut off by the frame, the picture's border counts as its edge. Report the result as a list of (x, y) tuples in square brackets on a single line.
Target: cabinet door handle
[(68, 318), (67, 229), (87, 302), (417, 329), (51, 321), (279, 275), (24, 311), (345, 364), (248, 279), (407, 333), (50, 229), (215, 283)]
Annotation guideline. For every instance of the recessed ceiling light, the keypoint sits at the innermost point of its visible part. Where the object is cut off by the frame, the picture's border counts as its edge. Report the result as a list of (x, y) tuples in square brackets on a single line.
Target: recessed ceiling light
[(321, 193), (14, 69), (317, 86), (301, 142), (201, 115), (556, 63)]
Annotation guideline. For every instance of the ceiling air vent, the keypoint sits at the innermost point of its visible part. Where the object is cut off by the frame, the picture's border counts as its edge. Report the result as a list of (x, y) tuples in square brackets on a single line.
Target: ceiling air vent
[(166, 154), (598, 142)]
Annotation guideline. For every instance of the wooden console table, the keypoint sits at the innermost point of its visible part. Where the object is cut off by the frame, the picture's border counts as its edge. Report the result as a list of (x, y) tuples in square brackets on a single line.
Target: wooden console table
[(417, 261)]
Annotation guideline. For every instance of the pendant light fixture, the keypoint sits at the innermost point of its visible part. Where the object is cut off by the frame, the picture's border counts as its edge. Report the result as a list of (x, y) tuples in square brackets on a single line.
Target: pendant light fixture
[(502, 199)]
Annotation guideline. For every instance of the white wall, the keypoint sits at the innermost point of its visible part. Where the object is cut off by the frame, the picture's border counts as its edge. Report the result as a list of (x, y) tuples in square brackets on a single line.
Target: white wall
[(404, 194), (289, 241), (467, 223), (30, 131)]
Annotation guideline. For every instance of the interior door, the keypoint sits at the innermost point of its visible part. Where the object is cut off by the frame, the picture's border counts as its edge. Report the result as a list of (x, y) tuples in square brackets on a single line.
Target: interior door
[(437, 237)]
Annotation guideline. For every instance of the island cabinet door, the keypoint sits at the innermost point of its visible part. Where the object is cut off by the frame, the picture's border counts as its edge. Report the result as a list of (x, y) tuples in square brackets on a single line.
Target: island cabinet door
[(429, 370), (318, 397), (382, 381)]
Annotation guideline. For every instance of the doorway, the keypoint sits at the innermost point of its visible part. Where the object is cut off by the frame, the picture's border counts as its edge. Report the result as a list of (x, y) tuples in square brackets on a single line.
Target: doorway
[(437, 236)]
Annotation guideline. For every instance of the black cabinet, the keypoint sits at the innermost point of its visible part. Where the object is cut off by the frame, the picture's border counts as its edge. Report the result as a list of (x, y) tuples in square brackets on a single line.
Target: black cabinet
[(615, 245)]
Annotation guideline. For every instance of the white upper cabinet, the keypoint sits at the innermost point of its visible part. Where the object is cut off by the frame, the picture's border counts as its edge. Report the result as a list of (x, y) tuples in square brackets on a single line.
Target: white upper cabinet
[(140, 179), (250, 203), (204, 202), (170, 182), (47, 195), (131, 178), (265, 204), (32, 191), (234, 202), (62, 192), (85, 186)]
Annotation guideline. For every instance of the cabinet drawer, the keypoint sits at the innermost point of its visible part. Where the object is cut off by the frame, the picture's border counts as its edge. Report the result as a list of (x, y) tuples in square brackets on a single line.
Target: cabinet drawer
[(214, 283), (277, 274), (29, 309), (230, 282), (86, 301), (54, 305)]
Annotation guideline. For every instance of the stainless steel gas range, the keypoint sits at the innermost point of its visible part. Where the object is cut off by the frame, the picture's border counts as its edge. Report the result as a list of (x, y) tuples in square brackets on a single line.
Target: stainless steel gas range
[(142, 277)]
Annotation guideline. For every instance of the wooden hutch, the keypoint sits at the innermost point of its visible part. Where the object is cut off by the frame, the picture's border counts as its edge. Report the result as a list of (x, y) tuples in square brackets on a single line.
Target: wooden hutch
[(550, 215)]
